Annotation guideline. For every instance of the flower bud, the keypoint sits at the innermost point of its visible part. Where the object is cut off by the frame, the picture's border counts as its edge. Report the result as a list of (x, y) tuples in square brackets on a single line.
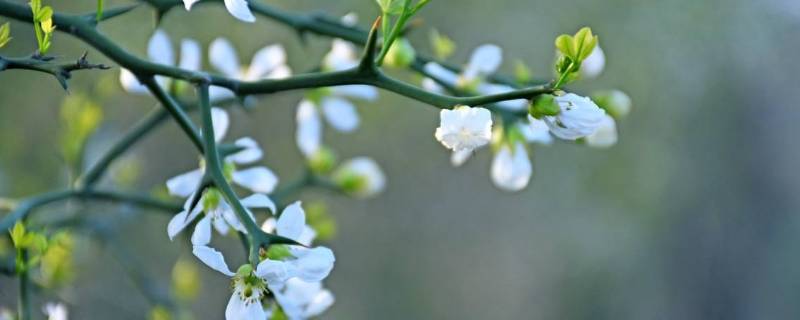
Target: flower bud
[(361, 177), (322, 161), (578, 118), (401, 54), (615, 102)]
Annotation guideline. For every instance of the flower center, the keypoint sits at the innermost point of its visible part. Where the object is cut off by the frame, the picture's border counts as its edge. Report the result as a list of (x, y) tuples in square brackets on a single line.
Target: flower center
[(249, 288)]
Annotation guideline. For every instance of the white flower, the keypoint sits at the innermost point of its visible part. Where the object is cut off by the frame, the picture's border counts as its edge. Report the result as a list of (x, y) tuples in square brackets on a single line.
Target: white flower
[(237, 8), (267, 63), (303, 300), (511, 169), (55, 311), (593, 65), (339, 112), (309, 265), (535, 131), (464, 128), (579, 117), (606, 134), (261, 180), (6, 314), (360, 176), (484, 61), (159, 50)]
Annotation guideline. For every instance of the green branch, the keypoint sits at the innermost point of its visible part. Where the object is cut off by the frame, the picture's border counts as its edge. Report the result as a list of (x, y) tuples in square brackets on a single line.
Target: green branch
[(61, 71), (26, 206)]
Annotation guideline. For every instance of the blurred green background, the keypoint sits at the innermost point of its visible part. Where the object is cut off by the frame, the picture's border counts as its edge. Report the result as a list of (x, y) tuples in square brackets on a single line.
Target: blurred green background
[(693, 215)]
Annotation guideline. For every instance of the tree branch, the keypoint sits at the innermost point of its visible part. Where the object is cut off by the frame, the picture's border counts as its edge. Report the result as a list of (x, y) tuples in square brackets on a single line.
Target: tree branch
[(26, 206)]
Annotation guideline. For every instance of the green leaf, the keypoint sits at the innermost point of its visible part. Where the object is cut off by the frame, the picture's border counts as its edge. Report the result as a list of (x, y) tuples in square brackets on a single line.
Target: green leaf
[(17, 234), (36, 5), (566, 46), (5, 32), (45, 13), (585, 42)]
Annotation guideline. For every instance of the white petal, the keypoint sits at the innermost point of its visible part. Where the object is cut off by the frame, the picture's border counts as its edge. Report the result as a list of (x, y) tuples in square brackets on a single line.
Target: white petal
[(307, 236), (342, 56), (511, 172), (258, 179), (340, 113), (432, 86), (280, 72), (269, 225), (367, 169), (180, 221), (221, 121), (275, 273), (233, 219), (460, 157), (258, 200), (266, 60), (309, 128), (159, 49), (251, 152), (237, 309), (314, 264), (54, 311), (189, 3), (130, 83), (484, 60), (221, 225), (291, 222), (350, 19), (185, 184), (605, 136), (359, 91), (202, 232), (441, 73), (190, 55), (319, 304), (240, 10), (223, 57), (213, 259), (216, 93), (536, 131)]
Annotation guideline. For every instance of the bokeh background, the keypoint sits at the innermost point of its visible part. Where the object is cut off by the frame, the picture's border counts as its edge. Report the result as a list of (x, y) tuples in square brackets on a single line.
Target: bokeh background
[(693, 215)]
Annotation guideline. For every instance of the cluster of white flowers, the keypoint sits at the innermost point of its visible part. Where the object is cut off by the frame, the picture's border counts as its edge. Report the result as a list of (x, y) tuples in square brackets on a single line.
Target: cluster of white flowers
[(464, 129), (294, 279), (267, 63), (292, 275)]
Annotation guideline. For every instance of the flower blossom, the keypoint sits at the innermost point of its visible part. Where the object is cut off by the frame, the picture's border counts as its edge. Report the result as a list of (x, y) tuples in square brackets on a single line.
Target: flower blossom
[(511, 168), (464, 128), (360, 176), (261, 180), (159, 50), (484, 61), (606, 134), (579, 117), (251, 285), (268, 63)]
